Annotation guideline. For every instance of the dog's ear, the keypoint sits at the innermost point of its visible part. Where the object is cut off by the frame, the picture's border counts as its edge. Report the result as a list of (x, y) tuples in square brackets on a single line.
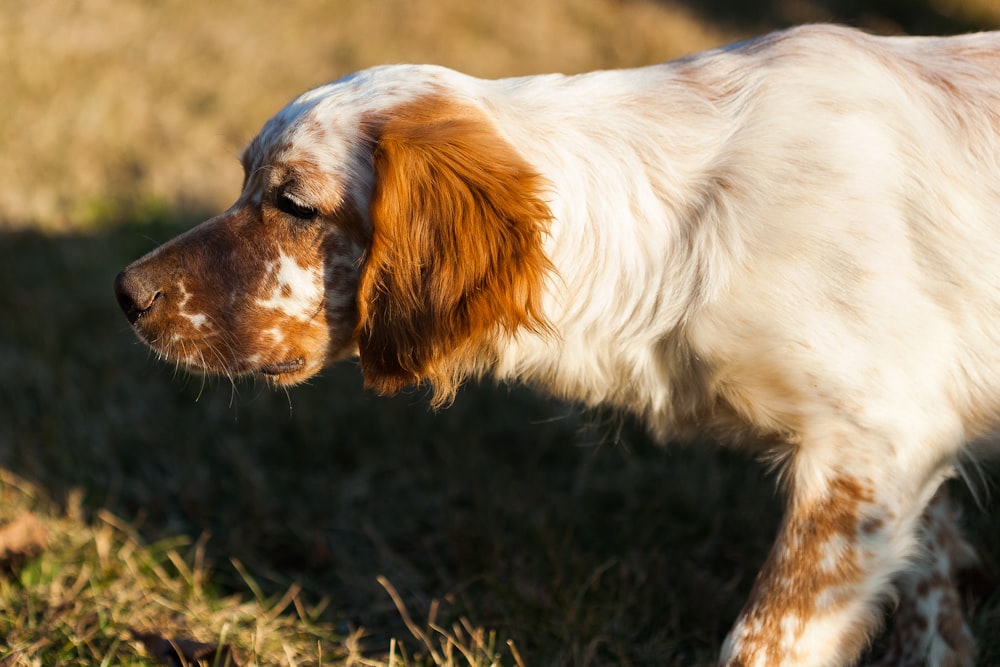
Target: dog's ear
[(456, 255)]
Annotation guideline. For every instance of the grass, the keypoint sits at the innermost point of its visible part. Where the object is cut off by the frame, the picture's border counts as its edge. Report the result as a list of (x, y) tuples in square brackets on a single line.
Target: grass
[(97, 593), (140, 506)]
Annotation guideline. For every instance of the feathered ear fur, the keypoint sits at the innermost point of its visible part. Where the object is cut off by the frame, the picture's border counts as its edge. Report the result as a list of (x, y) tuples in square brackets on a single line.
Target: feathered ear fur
[(456, 255)]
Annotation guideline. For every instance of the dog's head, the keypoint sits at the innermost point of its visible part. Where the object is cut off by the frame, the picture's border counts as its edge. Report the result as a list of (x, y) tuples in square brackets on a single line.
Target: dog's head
[(380, 216)]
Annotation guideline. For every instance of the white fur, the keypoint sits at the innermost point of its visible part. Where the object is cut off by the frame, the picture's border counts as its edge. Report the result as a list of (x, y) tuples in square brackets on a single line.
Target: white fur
[(296, 291)]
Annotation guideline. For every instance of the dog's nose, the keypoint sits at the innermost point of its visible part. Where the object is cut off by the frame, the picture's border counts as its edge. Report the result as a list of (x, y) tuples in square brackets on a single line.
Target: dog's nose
[(135, 296)]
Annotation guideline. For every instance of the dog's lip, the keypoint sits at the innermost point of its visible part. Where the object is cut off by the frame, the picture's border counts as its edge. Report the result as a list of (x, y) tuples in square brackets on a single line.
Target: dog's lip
[(280, 367)]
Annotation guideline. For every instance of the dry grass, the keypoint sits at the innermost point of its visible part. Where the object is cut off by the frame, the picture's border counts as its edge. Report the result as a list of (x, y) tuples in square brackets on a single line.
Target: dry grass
[(327, 526), (118, 103), (96, 587)]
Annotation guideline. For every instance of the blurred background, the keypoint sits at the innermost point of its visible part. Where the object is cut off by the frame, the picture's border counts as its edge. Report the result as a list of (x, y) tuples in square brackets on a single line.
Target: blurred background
[(139, 503)]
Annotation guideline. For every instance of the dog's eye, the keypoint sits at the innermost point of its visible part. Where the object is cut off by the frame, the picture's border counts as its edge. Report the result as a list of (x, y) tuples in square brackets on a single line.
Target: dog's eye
[(287, 203)]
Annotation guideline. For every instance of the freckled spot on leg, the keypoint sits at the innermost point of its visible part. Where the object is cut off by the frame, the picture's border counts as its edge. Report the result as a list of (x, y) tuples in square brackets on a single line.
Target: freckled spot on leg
[(929, 625), (833, 551), (812, 573), (872, 525)]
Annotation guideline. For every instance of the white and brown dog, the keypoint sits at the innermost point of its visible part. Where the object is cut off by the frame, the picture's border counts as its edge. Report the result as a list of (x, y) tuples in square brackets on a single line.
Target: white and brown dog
[(792, 243)]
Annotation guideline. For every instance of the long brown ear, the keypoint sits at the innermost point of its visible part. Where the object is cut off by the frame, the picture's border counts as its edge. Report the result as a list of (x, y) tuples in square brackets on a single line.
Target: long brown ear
[(456, 255)]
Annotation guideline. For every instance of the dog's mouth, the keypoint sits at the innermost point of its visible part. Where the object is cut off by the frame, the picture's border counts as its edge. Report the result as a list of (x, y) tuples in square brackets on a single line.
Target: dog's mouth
[(283, 367)]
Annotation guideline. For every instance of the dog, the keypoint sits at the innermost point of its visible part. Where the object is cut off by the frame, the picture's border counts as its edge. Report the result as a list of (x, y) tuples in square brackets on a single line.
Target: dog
[(791, 244)]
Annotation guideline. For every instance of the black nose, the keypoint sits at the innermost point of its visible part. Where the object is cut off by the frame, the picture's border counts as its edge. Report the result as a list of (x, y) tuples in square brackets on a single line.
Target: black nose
[(135, 296)]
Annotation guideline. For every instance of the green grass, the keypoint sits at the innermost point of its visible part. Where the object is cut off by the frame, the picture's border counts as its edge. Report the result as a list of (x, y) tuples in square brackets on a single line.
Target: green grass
[(324, 525)]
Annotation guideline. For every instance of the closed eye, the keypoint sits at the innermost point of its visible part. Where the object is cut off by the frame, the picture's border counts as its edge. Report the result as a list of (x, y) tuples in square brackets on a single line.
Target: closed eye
[(295, 207)]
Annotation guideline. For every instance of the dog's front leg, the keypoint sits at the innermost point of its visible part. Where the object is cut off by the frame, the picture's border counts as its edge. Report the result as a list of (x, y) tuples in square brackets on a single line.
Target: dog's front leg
[(817, 598)]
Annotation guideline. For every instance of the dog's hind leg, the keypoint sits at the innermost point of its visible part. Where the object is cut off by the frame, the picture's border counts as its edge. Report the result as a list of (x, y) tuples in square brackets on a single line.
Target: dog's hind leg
[(928, 626)]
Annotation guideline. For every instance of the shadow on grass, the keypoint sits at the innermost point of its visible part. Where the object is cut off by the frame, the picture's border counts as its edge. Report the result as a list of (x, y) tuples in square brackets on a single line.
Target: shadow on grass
[(569, 533), (525, 515)]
